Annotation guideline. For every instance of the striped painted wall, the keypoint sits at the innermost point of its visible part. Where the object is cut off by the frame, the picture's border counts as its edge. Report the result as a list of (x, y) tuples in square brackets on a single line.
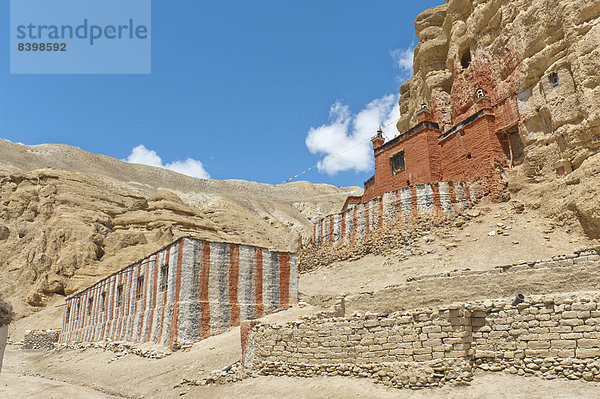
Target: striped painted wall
[(422, 200), (187, 291)]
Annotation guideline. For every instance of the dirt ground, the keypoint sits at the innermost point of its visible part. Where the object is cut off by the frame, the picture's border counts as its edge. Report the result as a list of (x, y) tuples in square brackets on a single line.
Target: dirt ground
[(526, 236), (46, 375)]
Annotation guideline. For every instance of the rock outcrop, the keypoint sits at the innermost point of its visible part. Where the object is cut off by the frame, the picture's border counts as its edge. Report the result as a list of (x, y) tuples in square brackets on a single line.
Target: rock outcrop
[(537, 60), (63, 229)]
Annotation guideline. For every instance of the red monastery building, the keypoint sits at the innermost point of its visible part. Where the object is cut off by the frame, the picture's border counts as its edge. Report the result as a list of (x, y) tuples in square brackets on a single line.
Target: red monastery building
[(469, 151)]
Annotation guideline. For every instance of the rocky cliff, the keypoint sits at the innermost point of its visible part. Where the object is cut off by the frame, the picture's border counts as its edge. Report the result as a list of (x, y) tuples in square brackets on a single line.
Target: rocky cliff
[(69, 217), (537, 60)]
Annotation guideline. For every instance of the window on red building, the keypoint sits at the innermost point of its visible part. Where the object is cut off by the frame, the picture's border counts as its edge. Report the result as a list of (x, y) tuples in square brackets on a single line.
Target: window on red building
[(398, 163)]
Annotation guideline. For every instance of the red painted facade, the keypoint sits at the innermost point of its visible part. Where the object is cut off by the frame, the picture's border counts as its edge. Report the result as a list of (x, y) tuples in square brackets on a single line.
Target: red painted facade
[(469, 151)]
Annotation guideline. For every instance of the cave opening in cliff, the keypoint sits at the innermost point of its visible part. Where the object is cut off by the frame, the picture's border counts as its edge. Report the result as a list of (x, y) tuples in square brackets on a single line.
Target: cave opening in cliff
[(465, 60), (513, 147)]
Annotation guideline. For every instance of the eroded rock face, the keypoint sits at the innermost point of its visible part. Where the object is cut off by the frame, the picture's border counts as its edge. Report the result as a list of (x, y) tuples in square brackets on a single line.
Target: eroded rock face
[(61, 231), (538, 60)]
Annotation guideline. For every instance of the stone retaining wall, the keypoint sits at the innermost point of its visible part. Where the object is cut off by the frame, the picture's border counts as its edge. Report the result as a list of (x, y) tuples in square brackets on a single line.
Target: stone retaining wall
[(40, 339), (565, 273), (547, 335)]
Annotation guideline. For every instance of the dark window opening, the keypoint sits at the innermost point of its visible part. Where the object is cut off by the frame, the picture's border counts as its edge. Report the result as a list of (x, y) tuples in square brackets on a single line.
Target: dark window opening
[(139, 292), (77, 308), (469, 156), (462, 132), (398, 163), (465, 61), (119, 295), (90, 306), (103, 302), (68, 315), (408, 182), (554, 82), (164, 278)]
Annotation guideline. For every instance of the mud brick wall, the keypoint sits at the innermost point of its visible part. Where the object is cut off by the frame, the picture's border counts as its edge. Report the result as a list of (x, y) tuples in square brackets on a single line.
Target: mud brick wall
[(40, 339), (423, 200), (549, 336), (187, 291)]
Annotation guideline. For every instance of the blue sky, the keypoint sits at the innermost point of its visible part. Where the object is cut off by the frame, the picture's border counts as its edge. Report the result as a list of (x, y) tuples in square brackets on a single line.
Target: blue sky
[(255, 90)]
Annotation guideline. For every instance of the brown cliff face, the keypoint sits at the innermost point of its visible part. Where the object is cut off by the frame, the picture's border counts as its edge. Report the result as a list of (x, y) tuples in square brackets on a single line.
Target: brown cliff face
[(511, 49), (538, 61), (69, 218)]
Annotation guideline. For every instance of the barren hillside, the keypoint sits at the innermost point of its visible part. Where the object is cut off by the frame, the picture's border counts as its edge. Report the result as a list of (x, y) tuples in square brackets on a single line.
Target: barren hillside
[(69, 217)]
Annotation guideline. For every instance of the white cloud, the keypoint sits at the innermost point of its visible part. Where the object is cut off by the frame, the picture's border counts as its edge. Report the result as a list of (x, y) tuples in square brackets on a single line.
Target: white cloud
[(403, 60), (344, 142), (190, 167), (14, 142)]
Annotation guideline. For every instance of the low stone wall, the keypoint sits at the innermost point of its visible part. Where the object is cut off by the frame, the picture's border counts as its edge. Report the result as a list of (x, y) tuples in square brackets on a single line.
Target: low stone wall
[(547, 335), (564, 273), (40, 339)]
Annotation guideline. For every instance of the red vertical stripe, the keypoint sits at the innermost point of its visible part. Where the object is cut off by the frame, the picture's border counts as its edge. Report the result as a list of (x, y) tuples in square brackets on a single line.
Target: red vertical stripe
[(175, 314), (331, 229), (234, 274), (437, 201), (413, 195), (203, 291), (468, 194), (284, 280), (258, 281), (452, 193)]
